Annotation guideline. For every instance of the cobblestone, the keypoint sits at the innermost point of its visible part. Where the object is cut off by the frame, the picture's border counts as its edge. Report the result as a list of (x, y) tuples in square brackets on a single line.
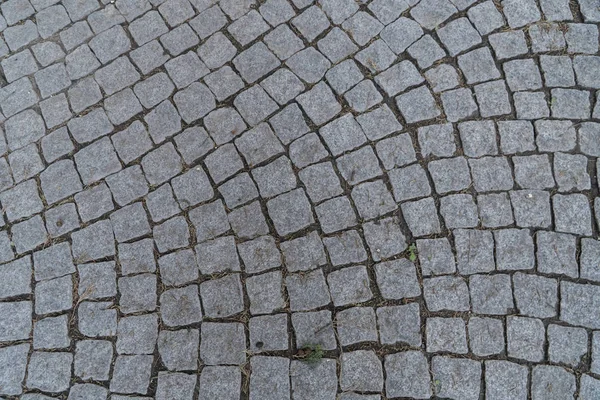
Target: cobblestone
[(404, 192)]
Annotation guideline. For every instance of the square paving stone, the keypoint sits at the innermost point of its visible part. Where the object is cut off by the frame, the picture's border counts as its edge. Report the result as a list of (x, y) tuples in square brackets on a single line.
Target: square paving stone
[(478, 137), (421, 217), (97, 280), (397, 279), (179, 349), (570, 104), (516, 136), (314, 328), (16, 277), (29, 234), (94, 202), (450, 174), (551, 382), (399, 324), (525, 338), (137, 293), (222, 297), (283, 42), (572, 214), (15, 320), (93, 359), (128, 185), (319, 103), (446, 334), (137, 334), (49, 371), (220, 381), (400, 34), (426, 51), (556, 253), (356, 325), (536, 296), (458, 36), (474, 251), (21, 201), (264, 292), (224, 83), (491, 294), (505, 380), (417, 105), (95, 161), (590, 252), (311, 23), (345, 248), (217, 255), (531, 208), (25, 163), (223, 343), (396, 151), (486, 336), (161, 203), (171, 234), (93, 242), (238, 190), (352, 137), (407, 374), (54, 295), (258, 144), (458, 104), (384, 237), (307, 291), (23, 128), (130, 222), (97, 319), (132, 142), (180, 306), (455, 378), (259, 254), (446, 293), (193, 143), (275, 178), (13, 367), (359, 165), (248, 221), (349, 286), (459, 211), (289, 124), (194, 102), (178, 268), (321, 181), (336, 214), (514, 249), (361, 370), (437, 140), (269, 332), (255, 62), (255, 105), (283, 86), (555, 135), (492, 98), (290, 212), (533, 172), (341, 77), (577, 305), (435, 256), (131, 374), (566, 344), (303, 253)]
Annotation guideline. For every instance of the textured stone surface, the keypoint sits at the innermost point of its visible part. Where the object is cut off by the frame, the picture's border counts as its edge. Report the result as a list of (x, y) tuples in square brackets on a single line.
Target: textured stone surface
[(200, 196)]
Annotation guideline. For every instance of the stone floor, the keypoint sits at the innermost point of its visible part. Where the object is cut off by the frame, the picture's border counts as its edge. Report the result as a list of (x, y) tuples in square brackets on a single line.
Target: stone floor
[(299, 199)]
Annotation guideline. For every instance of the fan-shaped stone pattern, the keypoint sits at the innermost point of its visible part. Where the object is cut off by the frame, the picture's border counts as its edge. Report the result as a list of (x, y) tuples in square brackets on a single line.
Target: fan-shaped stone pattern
[(299, 199)]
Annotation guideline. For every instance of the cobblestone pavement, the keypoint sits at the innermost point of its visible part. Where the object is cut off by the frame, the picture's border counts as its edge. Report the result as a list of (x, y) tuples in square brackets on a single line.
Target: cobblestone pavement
[(299, 199)]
